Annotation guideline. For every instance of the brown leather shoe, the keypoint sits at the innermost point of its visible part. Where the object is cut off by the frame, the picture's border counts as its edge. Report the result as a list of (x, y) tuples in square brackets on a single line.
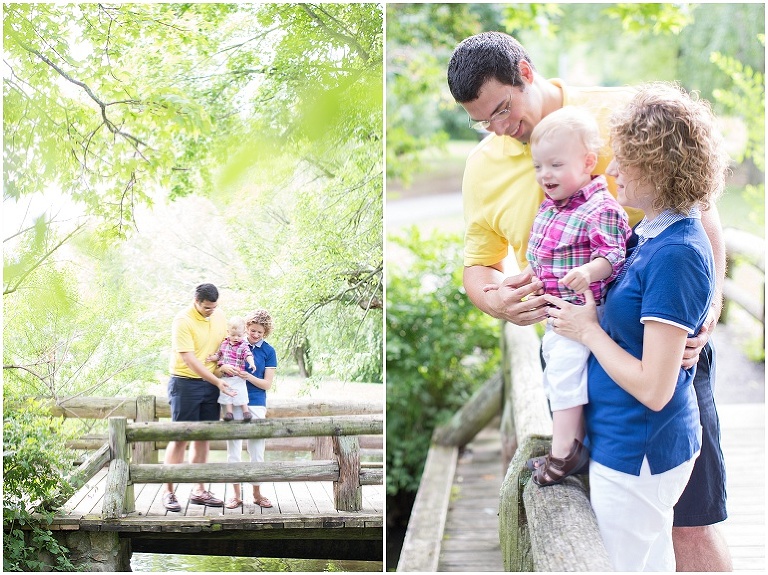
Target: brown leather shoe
[(554, 470), (205, 498)]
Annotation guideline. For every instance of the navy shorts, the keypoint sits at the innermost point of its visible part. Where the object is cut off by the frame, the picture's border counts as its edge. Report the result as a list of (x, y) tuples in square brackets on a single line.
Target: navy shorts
[(703, 501), (193, 399)]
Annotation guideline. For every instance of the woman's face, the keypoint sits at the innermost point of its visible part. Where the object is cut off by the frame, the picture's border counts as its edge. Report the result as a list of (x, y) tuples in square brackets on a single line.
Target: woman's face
[(631, 190), (255, 332)]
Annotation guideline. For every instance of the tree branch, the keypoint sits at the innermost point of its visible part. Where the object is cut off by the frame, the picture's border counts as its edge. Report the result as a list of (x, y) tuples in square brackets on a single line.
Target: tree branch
[(39, 262)]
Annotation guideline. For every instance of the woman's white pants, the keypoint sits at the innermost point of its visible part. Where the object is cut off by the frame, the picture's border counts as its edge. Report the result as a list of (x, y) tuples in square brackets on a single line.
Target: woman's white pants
[(635, 514), (255, 447)]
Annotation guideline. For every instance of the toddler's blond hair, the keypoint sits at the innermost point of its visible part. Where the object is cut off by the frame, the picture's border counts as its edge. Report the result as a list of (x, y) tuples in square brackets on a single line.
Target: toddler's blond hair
[(566, 122)]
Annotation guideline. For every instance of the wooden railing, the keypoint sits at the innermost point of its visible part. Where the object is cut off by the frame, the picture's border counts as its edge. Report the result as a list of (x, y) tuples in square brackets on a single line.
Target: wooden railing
[(326, 433), (345, 470), (154, 408), (744, 249), (540, 529)]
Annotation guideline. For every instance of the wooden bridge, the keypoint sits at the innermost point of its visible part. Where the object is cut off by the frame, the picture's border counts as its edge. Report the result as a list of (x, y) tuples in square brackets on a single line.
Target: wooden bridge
[(476, 509), (327, 507)]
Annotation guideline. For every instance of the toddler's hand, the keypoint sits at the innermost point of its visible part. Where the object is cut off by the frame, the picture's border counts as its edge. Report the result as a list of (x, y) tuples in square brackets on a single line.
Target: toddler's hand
[(490, 287), (577, 279)]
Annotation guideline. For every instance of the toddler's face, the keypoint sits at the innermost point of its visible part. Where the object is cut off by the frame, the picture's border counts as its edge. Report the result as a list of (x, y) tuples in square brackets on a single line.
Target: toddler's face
[(235, 338), (561, 167)]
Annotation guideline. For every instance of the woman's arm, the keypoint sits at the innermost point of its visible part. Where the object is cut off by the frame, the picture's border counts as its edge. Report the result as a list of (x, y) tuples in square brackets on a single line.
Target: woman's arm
[(264, 383), (651, 379)]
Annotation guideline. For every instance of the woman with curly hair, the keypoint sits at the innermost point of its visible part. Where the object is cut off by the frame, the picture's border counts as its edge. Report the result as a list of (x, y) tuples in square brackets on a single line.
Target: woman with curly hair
[(258, 380), (642, 418)]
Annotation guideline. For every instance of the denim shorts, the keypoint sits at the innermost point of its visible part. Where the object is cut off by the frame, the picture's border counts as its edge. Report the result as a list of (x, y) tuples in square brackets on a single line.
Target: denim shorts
[(703, 501), (193, 399)]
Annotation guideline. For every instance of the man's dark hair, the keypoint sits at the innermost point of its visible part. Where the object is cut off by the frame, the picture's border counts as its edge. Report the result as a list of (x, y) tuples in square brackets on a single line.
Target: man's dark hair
[(483, 57), (206, 292)]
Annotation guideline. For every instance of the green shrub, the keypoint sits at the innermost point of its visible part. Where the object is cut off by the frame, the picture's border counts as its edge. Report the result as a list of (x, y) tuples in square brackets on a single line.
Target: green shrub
[(34, 462), (440, 348)]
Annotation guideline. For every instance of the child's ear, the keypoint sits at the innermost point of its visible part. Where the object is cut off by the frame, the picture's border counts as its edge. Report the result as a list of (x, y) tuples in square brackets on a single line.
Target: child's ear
[(590, 161)]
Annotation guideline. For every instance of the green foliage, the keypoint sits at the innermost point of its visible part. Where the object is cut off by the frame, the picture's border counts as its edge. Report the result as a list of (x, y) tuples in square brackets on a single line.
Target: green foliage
[(746, 97), (440, 348), (273, 112), (34, 461), (319, 258), (585, 44)]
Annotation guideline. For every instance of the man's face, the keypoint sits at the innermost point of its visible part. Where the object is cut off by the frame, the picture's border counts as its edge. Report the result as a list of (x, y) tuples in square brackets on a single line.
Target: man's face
[(525, 109), (205, 308)]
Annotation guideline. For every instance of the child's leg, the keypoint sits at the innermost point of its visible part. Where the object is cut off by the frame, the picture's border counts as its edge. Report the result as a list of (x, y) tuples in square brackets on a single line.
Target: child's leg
[(565, 383), (247, 415), (567, 425)]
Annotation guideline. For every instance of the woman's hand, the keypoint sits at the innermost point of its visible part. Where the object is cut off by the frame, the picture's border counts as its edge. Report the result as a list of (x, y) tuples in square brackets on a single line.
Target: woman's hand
[(575, 322), (228, 370)]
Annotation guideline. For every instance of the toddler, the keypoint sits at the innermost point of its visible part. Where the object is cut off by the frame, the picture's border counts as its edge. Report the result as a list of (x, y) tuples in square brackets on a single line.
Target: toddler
[(578, 242), (234, 351)]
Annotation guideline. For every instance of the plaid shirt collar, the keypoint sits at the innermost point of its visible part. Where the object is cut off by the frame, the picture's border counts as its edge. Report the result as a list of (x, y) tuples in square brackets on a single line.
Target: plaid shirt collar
[(581, 196)]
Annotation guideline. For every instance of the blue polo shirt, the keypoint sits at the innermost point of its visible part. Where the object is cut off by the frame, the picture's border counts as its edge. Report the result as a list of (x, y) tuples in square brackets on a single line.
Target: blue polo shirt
[(264, 356), (670, 279)]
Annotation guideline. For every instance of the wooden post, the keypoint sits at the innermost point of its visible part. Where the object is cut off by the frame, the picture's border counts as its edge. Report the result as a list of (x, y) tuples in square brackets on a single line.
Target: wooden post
[(347, 491), (118, 494), (323, 448), (145, 451)]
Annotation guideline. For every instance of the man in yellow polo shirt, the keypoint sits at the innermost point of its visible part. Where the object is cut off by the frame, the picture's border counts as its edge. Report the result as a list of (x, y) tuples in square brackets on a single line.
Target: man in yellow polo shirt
[(193, 389), (492, 76)]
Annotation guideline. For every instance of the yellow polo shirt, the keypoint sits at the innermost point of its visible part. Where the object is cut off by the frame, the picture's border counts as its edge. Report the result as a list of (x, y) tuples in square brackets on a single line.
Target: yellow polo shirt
[(200, 335), (500, 193)]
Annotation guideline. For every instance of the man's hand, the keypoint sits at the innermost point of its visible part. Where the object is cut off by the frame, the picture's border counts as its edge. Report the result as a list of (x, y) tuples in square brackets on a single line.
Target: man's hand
[(514, 299), (225, 388), (694, 345)]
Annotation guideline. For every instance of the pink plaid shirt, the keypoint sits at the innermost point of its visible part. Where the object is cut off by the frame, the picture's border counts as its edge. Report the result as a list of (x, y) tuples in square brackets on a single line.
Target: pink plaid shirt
[(589, 224), (234, 355)]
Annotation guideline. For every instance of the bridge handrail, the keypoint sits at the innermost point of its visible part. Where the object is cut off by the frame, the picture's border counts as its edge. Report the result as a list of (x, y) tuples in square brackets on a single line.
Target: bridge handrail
[(345, 470), (152, 408), (540, 529), (89, 407), (743, 248)]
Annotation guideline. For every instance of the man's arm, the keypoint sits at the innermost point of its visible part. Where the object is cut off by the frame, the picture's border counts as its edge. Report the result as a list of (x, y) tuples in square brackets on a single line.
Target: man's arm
[(506, 302), (714, 230), (197, 366)]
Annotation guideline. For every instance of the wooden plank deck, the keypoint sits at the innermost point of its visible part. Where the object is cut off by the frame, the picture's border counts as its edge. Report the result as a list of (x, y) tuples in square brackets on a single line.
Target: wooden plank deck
[(471, 535), (471, 542), (742, 427), (301, 503)]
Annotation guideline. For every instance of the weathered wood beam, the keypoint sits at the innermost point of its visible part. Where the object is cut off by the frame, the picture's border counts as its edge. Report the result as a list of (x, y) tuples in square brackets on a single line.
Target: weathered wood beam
[(257, 428), (473, 416), (563, 529), (105, 407), (347, 491), (235, 472), (421, 547), (370, 445)]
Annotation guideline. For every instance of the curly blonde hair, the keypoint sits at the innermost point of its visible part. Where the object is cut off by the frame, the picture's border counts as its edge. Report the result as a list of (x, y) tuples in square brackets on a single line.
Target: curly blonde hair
[(669, 136), (262, 318)]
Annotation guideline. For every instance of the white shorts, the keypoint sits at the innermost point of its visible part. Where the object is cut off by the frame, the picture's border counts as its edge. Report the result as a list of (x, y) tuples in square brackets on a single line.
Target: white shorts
[(565, 375), (237, 384)]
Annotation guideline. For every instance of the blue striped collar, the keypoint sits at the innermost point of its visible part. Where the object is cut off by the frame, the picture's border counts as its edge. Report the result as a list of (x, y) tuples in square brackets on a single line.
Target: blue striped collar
[(652, 228)]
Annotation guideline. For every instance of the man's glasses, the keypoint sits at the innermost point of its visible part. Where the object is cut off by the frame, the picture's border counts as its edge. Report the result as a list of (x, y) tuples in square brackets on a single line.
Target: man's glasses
[(500, 115)]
